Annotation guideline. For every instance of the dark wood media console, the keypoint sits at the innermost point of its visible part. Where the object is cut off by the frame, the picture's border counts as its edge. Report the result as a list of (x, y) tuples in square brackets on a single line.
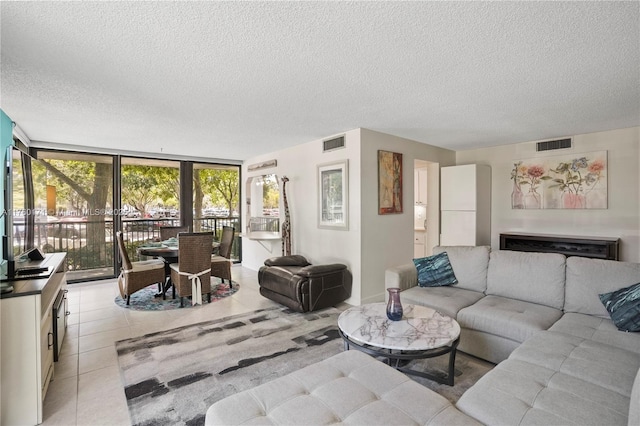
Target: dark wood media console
[(595, 247)]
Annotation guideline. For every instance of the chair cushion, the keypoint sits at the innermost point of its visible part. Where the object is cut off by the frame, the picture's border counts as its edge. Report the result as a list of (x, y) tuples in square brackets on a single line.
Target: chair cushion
[(469, 264), (218, 258), (147, 265), (435, 271)]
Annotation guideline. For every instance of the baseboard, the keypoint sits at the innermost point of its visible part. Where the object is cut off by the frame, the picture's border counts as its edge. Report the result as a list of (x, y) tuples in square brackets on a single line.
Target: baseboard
[(380, 297)]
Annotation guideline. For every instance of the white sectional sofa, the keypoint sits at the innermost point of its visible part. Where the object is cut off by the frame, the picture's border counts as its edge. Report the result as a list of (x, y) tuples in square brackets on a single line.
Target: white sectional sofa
[(560, 359), (501, 299)]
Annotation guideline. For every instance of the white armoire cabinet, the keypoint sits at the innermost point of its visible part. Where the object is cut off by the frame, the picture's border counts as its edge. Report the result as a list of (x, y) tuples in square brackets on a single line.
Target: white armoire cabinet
[(465, 205)]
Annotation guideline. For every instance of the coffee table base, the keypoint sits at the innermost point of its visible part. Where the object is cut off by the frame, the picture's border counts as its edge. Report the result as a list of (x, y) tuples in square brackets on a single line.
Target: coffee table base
[(395, 358)]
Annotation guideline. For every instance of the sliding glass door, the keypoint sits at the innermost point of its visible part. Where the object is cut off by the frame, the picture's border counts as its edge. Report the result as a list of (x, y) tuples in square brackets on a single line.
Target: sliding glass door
[(76, 192)]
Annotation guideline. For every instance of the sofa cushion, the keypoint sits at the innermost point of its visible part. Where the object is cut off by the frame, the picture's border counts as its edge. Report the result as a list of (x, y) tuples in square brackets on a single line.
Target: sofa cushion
[(469, 263), (448, 300), (530, 277), (510, 318), (587, 278), (593, 362), (555, 378), (597, 329), (624, 307), (520, 393), (347, 388), (435, 271)]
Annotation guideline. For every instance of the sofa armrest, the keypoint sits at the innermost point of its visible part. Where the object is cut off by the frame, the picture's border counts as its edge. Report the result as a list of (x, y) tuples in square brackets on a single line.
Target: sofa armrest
[(403, 276), (293, 260), (316, 270)]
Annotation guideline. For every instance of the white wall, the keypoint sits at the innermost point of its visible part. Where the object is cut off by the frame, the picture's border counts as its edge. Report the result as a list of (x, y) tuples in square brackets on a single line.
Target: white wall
[(373, 242), (387, 240), (299, 164), (620, 219)]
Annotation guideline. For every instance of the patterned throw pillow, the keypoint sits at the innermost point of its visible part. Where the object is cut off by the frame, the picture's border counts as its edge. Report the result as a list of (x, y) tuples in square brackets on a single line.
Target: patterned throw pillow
[(435, 271), (624, 307)]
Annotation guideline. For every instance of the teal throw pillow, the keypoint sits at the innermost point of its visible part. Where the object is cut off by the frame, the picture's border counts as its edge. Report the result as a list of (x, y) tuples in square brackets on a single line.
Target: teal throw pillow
[(624, 307), (435, 271)]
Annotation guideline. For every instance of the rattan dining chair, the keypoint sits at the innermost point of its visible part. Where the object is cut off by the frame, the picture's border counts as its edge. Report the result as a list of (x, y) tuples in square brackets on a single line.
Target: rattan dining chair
[(167, 232), (221, 263), (135, 276), (191, 276)]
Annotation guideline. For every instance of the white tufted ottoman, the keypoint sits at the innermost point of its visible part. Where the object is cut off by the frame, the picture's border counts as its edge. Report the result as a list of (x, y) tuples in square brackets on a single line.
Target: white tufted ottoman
[(349, 388)]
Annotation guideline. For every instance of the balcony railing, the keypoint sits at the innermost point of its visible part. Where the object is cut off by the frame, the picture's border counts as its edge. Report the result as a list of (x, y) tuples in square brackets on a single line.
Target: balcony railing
[(95, 259), (264, 224)]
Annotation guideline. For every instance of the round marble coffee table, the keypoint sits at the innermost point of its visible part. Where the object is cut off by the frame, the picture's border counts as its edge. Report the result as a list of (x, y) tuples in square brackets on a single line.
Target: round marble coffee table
[(421, 333)]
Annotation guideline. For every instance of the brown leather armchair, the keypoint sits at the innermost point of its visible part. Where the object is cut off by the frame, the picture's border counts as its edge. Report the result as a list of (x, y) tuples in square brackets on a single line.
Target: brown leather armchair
[(292, 281)]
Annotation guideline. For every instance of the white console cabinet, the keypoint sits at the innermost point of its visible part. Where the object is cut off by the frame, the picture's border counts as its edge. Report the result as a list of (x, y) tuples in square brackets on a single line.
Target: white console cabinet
[(465, 205), (27, 343)]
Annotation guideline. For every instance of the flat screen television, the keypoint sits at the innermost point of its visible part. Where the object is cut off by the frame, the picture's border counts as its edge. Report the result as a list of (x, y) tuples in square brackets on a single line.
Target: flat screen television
[(19, 222)]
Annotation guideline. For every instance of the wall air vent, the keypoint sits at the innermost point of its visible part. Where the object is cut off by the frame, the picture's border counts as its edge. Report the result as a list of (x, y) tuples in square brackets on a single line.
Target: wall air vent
[(551, 145), (331, 144)]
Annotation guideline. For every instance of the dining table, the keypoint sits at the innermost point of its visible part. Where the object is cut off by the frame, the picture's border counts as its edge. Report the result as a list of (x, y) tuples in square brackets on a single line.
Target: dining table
[(168, 251)]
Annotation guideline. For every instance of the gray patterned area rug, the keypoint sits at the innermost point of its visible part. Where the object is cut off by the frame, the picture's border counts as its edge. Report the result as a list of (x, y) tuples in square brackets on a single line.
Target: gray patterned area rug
[(172, 377)]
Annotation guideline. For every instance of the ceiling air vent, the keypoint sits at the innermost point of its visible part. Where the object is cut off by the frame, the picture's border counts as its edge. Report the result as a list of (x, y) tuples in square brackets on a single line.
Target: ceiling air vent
[(331, 144), (551, 145)]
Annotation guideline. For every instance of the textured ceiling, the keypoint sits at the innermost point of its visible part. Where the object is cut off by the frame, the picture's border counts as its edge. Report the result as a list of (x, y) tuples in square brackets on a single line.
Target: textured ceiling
[(236, 79)]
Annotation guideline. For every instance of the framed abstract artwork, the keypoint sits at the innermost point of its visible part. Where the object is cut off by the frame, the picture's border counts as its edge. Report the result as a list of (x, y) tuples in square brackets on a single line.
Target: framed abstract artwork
[(389, 182), (576, 181), (333, 195)]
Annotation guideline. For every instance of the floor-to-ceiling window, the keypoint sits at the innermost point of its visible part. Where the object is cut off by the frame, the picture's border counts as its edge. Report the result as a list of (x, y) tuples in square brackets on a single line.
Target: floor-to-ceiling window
[(216, 200), (76, 192), (87, 197), (150, 198)]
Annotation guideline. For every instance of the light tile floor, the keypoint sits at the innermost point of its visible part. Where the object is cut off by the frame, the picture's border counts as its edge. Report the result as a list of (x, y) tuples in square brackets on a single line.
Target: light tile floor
[(87, 389)]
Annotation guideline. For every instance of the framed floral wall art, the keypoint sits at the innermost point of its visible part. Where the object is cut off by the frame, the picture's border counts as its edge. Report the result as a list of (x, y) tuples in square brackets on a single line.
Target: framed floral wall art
[(389, 182), (577, 181)]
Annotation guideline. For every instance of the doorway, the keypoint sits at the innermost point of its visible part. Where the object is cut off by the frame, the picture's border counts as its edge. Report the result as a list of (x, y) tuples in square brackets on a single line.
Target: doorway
[(426, 210)]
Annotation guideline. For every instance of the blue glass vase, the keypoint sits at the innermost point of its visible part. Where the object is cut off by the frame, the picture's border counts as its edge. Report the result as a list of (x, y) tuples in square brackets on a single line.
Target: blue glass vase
[(394, 307)]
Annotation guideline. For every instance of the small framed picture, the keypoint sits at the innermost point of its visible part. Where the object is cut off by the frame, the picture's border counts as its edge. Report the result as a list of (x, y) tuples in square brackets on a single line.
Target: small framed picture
[(389, 182)]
